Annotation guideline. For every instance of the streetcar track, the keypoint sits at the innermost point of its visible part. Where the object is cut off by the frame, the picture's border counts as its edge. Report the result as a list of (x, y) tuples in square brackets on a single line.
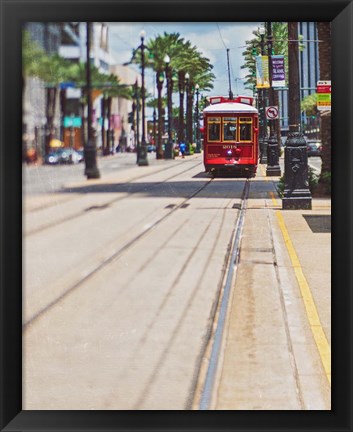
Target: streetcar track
[(105, 205), (62, 190), (113, 256), (198, 285), (208, 380)]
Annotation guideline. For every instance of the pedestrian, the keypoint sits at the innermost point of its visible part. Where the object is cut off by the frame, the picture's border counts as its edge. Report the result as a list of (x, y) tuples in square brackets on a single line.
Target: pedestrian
[(182, 148)]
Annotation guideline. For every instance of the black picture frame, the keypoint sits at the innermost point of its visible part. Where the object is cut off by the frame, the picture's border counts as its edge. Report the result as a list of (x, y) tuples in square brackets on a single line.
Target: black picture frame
[(13, 14)]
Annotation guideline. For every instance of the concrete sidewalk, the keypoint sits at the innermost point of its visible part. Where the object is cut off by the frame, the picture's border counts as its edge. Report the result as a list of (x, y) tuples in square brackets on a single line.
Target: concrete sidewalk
[(276, 352)]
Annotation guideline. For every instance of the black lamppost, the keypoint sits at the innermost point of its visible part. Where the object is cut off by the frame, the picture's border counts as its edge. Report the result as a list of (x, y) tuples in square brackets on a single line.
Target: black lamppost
[(141, 147), (187, 137), (90, 151), (262, 105), (273, 168), (198, 143), (296, 185), (160, 126), (169, 153)]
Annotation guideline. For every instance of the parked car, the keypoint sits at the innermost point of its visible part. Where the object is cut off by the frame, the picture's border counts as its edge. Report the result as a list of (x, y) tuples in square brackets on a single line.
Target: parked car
[(314, 148), (63, 156), (81, 155)]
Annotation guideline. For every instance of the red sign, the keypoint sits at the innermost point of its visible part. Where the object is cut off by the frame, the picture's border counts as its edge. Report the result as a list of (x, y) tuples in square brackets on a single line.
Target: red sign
[(324, 89)]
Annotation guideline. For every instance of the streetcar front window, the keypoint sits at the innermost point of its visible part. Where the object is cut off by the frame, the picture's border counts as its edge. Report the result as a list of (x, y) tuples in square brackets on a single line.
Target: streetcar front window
[(229, 129), (245, 128), (214, 129)]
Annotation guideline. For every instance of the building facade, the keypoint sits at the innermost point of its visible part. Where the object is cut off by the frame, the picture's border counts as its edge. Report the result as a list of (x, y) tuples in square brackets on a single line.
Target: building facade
[(309, 74)]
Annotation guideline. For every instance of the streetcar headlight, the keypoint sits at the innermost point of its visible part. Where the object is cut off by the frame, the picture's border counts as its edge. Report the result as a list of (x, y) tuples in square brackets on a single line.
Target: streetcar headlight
[(229, 152)]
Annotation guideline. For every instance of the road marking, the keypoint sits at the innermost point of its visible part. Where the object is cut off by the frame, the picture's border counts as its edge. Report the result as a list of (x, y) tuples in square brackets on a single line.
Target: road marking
[(311, 311)]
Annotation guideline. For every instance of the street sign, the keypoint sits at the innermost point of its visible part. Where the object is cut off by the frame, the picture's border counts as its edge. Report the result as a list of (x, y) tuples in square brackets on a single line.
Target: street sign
[(324, 86), (262, 72), (72, 122), (272, 112), (323, 90), (278, 71), (66, 85)]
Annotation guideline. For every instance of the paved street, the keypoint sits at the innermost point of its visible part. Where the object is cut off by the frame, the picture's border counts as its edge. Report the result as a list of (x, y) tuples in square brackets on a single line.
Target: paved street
[(125, 282)]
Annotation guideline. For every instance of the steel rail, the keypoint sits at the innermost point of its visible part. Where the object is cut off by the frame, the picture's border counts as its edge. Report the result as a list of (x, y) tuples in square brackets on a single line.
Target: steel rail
[(207, 391)]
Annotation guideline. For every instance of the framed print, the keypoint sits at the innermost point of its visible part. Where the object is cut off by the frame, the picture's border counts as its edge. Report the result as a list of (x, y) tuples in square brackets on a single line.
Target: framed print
[(108, 353)]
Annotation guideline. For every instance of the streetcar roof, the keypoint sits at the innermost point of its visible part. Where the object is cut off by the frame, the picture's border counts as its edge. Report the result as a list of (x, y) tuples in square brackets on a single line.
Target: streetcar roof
[(228, 107)]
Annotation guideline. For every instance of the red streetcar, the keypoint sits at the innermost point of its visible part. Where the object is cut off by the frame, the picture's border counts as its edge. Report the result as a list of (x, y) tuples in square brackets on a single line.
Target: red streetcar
[(231, 136)]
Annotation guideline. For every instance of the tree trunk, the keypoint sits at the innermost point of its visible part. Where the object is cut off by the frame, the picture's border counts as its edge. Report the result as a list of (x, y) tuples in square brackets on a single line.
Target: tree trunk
[(62, 112), (110, 145), (181, 135), (190, 97), (324, 35), (103, 132), (278, 122), (50, 114)]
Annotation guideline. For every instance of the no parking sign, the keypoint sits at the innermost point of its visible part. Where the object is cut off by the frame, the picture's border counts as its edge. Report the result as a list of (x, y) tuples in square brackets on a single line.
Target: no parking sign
[(272, 112)]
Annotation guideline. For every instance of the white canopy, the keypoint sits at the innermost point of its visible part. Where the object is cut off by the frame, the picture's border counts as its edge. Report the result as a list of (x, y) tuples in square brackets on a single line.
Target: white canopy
[(230, 107)]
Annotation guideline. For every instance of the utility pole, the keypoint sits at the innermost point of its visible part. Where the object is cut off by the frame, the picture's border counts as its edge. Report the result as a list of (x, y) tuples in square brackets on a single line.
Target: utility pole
[(262, 106), (296, 185), (142, 150)]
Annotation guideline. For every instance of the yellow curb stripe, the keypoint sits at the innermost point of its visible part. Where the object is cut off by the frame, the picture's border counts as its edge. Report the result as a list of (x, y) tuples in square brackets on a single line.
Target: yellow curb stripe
[(274, 201), (311, 311)]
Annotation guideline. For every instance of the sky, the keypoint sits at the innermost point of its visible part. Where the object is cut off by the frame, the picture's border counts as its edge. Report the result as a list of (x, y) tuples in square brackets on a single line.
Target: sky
[(211, 39)]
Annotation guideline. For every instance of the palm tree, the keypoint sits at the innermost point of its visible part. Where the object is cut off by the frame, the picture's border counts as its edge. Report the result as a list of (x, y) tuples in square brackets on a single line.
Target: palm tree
[(324, 35), (199, 70), (169, 44), (53, 70), (253, 49), (111, 87)]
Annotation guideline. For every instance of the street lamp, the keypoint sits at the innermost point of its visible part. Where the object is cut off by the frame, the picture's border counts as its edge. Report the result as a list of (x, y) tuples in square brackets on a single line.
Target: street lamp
[(159, 83), (168, 153), (198, 144), (262, 105), (296, 194), (141, 147), (90, 151), (187, 128), (273, 168)]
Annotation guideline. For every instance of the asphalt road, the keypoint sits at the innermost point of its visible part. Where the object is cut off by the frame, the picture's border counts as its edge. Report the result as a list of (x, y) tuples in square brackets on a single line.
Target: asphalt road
[(123, 276)]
